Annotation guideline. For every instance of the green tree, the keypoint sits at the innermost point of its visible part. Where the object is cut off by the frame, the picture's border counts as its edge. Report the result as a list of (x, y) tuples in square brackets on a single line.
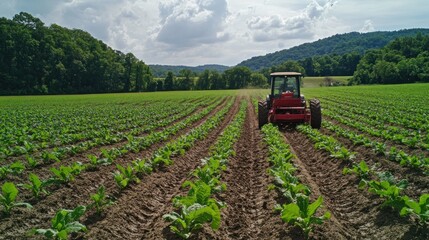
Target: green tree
[(237, 77), (168, 82)]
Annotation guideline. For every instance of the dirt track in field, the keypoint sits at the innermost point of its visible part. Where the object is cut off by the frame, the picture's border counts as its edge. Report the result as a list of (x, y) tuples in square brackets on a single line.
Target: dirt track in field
[(249, 213), (355, 213), (75, 193)]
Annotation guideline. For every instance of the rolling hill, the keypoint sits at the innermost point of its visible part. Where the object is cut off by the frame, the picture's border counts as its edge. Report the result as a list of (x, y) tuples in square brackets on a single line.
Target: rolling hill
[(336, 44)]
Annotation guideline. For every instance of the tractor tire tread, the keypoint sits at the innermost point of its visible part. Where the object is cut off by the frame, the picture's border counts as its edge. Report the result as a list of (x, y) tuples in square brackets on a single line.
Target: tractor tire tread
[(316, 114)]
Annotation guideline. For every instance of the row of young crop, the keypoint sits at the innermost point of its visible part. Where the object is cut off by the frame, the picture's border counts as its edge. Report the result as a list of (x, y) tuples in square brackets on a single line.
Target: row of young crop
[(67, 221), (380, 148), (133, 144), (383, 184), (409, 138), (200, 206), (378, 128), (298, 210), (384, 113), (110, 123)]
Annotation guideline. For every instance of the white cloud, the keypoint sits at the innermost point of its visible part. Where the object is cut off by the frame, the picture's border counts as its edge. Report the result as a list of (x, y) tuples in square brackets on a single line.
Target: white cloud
[(190, 23), (300, 26), (367, 27)]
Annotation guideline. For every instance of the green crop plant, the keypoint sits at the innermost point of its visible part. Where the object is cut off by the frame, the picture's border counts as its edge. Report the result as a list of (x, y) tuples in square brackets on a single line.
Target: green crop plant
[(343, 154), (361, 170), (124, 176), (8, 198), (36, 186), (195, 209), (419, 209), (303, 213), (162, 158), (141, 167), (32, 162), (100, 200), (192, 218), (63, 224), (65, 174), (390, 192), (51, 156), (14, 168)]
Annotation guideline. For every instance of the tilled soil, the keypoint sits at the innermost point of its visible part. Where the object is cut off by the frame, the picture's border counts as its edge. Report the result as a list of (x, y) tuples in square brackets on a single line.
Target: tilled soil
[(418, 181), (138, 213), (249, 213), (356, 214), (77, 192)]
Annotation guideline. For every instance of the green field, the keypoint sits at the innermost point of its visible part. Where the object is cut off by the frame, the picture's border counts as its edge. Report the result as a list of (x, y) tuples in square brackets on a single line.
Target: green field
[(312, 82), (58, 152)]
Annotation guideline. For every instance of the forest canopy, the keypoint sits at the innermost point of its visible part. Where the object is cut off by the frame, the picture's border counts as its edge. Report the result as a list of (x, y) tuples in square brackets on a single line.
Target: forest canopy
[(36, 59)]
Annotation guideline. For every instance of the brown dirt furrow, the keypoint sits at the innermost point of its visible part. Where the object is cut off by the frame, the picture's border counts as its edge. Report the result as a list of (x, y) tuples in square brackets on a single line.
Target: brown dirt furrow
[(249, 204), (355, 213), (419, 182), (138, 213), (77, 192)]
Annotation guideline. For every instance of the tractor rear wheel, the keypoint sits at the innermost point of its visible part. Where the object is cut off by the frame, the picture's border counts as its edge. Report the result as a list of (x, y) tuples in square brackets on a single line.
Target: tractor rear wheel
[(316, 114), (262, 113)]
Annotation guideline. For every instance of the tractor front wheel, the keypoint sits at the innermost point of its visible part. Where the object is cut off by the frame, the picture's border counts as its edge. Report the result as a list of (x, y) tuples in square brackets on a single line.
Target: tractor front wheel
[(262, 113), (316, 114)]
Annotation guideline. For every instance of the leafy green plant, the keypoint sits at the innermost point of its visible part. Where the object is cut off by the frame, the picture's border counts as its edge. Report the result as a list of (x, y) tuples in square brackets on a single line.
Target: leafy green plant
[(361, 170), (32, 162), (419, 209), (343, 154), (36, 186), (141, 167), (162, 157), (100, 200), (303, 214), (390, 192), (196, 209), (51, 156), (17, 167), (124, 176), (62, 175), (14, 168), (210, 175), (64, 223), (192, 218), (8, 198)]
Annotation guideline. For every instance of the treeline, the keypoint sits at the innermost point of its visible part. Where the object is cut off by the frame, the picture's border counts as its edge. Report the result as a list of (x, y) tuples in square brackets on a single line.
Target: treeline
[(162, 70), (404, 60), (326, 65), (35, 59), (233, 78)]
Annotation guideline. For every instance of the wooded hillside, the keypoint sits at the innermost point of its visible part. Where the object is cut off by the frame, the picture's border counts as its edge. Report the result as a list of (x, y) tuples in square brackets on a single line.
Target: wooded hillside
[(339, 44)]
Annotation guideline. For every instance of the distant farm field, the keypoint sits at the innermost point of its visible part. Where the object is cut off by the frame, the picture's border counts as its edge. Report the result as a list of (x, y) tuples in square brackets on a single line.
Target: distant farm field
[(200, 156), (312, 82)]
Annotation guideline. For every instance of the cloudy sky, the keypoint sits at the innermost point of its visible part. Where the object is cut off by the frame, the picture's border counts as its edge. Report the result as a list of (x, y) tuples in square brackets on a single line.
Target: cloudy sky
[(196, 32)]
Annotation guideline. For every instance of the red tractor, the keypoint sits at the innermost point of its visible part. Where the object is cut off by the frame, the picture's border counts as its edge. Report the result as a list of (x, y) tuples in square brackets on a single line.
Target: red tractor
[(285, 104)]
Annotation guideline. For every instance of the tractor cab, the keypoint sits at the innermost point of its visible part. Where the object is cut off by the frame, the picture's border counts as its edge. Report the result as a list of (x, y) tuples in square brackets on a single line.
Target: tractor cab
[(286, 84), (285, 104)]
